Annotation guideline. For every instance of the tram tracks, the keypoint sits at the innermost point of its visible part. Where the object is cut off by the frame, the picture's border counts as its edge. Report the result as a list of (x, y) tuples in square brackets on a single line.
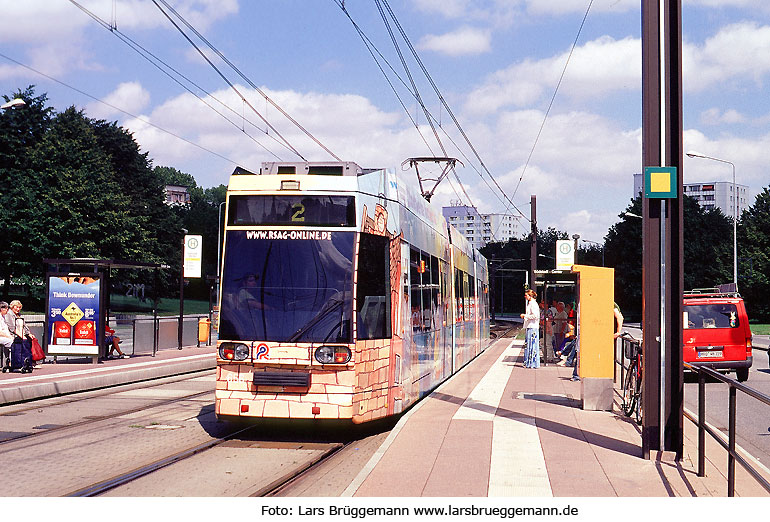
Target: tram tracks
[(95, 419), (271, 488), (125, 478)]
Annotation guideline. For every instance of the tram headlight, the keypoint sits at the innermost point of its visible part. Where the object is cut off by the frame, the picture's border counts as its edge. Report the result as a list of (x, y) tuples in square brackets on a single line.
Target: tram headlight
[(333, 354), (233, 351)]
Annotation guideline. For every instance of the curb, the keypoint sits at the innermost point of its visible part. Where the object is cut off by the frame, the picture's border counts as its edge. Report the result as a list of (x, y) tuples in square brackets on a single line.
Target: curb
[(127, 375)]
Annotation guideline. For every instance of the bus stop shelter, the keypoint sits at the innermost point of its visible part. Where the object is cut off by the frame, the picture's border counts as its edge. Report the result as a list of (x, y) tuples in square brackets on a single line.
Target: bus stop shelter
[(78, 304)]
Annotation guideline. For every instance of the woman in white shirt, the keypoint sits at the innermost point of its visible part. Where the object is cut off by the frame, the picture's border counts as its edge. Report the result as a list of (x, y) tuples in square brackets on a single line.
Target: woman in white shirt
[(531, 324)]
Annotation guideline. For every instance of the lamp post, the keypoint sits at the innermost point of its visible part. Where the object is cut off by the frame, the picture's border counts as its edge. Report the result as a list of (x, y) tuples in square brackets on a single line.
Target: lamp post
[(631, 214), (16, 102), (576, 238), (596, 243), (694, 154)]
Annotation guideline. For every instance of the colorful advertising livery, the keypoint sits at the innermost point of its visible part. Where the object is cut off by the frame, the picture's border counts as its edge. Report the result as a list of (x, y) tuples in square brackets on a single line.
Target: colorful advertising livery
[(73, 315)]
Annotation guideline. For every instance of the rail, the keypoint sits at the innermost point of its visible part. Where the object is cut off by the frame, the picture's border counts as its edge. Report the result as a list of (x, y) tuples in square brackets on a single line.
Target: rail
[(159, 337), (703, 428)]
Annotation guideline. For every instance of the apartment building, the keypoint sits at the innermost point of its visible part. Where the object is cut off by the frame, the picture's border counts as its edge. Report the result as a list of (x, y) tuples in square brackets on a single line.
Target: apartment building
[(480, 229)]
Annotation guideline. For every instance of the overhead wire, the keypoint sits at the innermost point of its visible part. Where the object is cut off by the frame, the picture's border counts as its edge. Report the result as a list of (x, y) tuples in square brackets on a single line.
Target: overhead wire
[(167, 69), (447, 108), (118, 109), (372, 48), (221, 75), (556, 90), (241, 74)]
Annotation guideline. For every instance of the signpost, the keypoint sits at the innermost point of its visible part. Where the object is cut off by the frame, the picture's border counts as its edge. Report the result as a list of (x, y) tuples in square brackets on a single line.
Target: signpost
[(192, 260), (565, 254)]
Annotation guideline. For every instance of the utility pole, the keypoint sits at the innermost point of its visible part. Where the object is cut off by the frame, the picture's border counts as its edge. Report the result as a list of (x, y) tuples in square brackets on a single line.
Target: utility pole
[(662, 214), (533, 239)]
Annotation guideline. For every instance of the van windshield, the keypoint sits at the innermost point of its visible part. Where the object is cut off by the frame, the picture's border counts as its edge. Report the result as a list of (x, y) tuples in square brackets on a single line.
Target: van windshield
[(721, 315)]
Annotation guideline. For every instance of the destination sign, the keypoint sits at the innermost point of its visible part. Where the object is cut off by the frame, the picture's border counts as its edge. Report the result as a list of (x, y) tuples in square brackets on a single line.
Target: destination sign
[(296, 210)]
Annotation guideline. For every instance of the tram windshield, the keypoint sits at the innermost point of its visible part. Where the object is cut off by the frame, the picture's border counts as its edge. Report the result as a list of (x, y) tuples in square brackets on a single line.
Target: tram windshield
[(287, 286)]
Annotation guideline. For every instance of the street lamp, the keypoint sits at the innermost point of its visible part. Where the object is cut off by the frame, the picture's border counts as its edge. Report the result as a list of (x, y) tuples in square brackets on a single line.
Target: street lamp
[(631, 214), (576, 237), (16, 102), (596, 243), (694, 154)]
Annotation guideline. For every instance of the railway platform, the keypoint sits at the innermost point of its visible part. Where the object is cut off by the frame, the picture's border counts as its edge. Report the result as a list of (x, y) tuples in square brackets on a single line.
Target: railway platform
[(495, 429), (74, 375)]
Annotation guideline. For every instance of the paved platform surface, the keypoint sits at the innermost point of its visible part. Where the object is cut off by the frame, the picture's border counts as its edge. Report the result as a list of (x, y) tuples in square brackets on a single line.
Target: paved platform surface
[(496, 429)]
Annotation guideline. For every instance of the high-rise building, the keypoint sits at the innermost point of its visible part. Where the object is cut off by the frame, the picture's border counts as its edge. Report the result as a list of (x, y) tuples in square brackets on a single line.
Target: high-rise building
[(480, 229), (709, 195)]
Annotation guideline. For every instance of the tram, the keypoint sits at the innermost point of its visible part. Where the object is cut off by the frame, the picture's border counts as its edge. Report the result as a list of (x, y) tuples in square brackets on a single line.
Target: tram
[(344, 295)]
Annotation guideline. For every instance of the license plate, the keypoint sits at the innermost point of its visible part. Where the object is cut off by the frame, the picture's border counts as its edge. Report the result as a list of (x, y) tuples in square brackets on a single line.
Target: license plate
[(708, 354)]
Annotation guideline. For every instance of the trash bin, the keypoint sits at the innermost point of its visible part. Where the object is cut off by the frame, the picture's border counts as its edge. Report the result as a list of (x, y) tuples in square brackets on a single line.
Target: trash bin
[(204, 327)]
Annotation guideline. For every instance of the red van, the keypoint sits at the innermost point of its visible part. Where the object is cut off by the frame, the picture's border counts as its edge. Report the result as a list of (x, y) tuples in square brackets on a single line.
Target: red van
[(716, 331)]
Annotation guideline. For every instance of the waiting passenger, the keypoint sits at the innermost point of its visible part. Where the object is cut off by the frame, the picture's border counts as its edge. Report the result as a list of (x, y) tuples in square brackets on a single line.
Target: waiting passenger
[(113, 341), (6, 337)]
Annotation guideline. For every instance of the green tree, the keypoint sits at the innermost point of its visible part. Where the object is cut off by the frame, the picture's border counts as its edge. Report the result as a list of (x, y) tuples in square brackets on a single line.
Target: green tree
[(754, 259), (623, 252), (21, 129), (510, 261), (200, 216), (79, 208), (707, 252)]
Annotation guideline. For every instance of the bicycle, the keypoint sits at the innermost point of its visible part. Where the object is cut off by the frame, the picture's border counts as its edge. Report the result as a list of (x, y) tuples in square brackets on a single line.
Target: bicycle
[(632, 381)]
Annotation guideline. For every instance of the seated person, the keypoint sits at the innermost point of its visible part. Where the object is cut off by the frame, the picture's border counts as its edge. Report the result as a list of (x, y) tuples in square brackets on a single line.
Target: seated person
[(568, 337), (113, 341)]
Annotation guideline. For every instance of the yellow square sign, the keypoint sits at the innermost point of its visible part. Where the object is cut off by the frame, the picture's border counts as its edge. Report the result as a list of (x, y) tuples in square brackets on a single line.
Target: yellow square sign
[(72, 314), (660, 182)]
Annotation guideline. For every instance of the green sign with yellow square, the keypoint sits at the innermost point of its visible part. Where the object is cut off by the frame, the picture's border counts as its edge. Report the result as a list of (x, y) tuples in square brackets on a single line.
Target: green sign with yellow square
[(660, 182)]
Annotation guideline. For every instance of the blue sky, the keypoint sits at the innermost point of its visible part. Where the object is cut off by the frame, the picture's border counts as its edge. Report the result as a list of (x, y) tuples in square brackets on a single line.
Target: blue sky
[(496, 62)]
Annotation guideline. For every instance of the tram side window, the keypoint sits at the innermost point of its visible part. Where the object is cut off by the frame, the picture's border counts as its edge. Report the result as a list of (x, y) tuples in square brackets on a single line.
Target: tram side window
[(435, 294), (424, 293), (373, 298), (472, 298), (415, 294), (444, 296), (459, 296)]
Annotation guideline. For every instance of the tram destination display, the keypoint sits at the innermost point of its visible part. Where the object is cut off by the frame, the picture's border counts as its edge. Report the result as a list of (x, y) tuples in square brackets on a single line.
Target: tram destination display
[(297, 210)]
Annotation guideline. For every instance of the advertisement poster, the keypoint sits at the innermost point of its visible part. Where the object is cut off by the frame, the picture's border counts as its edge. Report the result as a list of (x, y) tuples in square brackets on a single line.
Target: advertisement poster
[(73, 315)]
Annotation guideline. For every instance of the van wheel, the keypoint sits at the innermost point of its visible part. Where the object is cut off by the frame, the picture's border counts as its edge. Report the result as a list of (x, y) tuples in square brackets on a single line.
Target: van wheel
[(742, 374)]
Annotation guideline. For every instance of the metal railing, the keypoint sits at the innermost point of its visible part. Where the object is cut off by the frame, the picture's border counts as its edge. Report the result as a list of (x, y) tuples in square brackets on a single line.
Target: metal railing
[(703, 427), (625, 347), (161, 332)]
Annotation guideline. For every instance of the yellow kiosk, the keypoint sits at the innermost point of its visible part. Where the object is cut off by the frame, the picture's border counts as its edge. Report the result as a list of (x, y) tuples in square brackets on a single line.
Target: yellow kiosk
[(593, 289), (596, 294)]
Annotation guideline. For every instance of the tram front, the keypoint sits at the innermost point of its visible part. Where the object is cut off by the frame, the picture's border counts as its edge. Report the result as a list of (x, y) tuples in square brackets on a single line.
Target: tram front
[(287, 306)]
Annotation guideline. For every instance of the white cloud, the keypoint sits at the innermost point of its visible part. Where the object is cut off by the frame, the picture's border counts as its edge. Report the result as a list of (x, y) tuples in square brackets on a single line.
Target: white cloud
[(595, 69), (735, 54), (369, 135), (749, 155), (461, 42), (129, 96), (715, 116), (505, 12), (55, 32)]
